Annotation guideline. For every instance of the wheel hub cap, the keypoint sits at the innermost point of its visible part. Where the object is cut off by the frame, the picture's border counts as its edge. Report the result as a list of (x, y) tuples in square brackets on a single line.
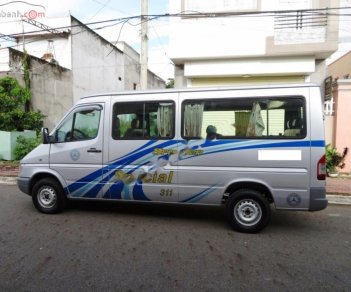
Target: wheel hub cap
[(47, 197), (247, 212)]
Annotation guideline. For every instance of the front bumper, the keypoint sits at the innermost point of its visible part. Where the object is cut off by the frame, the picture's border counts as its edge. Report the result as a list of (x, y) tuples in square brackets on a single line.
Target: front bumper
[(318, 200), (23, 184)]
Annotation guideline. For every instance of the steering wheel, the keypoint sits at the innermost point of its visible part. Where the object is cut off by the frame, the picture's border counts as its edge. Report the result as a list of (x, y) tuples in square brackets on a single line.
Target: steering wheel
[(76, 136)]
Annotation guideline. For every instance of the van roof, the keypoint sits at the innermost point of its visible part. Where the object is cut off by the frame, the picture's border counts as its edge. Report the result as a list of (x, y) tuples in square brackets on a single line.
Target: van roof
[(202, 89)]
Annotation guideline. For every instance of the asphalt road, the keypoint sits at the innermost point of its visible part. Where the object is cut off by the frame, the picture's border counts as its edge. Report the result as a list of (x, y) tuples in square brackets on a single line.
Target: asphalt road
[(137, 247)]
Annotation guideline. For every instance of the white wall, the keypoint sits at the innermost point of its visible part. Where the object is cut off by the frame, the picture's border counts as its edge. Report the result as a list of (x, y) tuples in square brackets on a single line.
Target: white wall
[(37, 43), (239, 36), (131, 66), (37, 48), (197, 39), (4, 61), (97, 65), (100, 67), (247, 46), (132, 70), (51, 86), (253, 66)]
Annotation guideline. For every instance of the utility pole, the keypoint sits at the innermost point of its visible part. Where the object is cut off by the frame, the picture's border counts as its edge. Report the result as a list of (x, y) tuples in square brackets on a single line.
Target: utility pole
[(144, 44)]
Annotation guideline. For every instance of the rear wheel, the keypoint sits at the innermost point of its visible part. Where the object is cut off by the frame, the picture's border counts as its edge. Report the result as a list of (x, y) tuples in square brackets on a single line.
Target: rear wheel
[(48, 196), (248, 211)]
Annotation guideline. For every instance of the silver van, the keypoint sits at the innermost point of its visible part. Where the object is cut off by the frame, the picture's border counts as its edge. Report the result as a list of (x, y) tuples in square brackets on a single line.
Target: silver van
[(246, 148)]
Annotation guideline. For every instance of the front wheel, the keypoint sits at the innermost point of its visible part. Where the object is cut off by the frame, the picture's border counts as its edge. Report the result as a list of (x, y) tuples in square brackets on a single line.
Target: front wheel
[(48, 196), (248, 211)]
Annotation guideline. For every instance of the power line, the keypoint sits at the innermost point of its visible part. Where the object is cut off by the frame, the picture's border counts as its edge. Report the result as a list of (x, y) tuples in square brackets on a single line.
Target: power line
[(7, 38), (119, 35), (112, 8), (150, 18), (200, 15), (44, 27), (103, 6)]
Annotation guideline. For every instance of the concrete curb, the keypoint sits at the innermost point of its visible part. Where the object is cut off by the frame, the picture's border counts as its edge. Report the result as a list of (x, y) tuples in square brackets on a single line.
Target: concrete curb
[(339, 199), (8, 180), (333, 199)]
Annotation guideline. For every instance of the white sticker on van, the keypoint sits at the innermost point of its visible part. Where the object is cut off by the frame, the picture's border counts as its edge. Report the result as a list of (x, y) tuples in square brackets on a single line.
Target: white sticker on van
[(278, 155)]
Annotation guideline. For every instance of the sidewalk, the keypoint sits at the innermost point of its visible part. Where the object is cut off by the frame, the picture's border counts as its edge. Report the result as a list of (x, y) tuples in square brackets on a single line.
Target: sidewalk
[(8, 174), (338, 189), (339, 185)]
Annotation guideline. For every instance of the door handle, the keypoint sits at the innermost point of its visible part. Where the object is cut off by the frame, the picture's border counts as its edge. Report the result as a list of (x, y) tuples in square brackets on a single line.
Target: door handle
[(94, 150)]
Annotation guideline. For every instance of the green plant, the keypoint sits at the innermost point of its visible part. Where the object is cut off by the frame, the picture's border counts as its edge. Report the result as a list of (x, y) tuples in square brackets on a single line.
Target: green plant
[(13, 117), (334, 159), (24, 146), (170, 83)]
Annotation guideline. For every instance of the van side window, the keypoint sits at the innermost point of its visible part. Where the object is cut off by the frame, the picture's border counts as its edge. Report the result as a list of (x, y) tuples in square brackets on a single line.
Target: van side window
[(244, 118), (143, 120), (78, 126)]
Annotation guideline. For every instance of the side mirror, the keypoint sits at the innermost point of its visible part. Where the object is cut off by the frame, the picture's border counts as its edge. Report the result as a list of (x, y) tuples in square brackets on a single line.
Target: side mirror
[(47, 139)]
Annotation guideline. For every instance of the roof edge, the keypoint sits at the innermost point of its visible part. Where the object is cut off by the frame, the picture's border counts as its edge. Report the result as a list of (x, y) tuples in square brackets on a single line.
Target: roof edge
[(201, 89)]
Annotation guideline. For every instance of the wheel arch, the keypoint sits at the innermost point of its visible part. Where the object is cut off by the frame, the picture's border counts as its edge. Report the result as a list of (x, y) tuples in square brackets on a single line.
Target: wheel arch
[(44, 174), (261, 187)]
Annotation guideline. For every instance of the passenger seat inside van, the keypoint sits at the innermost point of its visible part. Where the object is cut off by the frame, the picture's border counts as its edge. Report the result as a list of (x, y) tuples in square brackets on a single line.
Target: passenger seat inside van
[(293, 127), (133, 131)]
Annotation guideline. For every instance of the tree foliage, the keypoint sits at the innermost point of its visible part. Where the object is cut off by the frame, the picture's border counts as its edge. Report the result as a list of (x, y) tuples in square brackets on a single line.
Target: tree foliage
[(13, 117), (170, 83)]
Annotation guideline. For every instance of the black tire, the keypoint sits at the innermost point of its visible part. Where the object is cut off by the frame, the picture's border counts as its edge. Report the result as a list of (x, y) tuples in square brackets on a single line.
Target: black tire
[(48, 196), (248, 211)]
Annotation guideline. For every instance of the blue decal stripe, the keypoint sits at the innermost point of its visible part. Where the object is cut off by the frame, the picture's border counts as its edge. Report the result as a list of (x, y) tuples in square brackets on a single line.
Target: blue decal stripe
[(199, 196), (144, 153), (317, 143), (138, 192), (126, 160)]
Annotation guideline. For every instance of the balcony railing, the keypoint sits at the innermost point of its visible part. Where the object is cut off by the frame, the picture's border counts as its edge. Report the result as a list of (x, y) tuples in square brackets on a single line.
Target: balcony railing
[(300, 27), (299, 20)]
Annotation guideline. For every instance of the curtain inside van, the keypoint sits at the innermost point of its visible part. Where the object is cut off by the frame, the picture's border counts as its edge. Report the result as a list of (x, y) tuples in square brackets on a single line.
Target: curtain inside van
[(256, 124), (193, 115), (164, 120)]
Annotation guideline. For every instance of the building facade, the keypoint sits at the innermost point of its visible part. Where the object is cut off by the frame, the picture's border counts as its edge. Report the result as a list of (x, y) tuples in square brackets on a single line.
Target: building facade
[(338, 107), (234, 42), (67, 64)]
